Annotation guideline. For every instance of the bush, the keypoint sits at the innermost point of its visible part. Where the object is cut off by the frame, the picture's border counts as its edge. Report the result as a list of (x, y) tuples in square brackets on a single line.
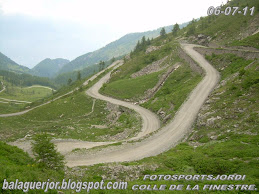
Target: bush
[(213, 165)]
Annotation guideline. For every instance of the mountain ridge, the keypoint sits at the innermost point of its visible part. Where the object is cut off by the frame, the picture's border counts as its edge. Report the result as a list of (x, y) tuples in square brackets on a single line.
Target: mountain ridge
[(49, 67), (116, 48), (8, 64)]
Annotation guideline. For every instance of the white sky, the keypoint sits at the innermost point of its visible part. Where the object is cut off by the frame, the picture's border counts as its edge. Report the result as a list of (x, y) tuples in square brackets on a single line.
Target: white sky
[(114, 18)]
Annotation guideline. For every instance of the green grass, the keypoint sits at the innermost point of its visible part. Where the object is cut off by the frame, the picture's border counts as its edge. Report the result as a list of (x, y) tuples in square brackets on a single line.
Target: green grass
[(122, 86), (228, 63), (141, 59), (251, 41), (172, 94), (25, 94), (227, 29), (175, 91), (131, 88), (36, 96), (11, 107), (68, 118), (30, 94), (235, 102), (16, 164)]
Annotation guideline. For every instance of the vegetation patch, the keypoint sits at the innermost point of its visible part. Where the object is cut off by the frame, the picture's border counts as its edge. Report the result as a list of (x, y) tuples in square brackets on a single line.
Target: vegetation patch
[(173, 93), (25, 93), (131, 88), (251, 41), (16, 164)]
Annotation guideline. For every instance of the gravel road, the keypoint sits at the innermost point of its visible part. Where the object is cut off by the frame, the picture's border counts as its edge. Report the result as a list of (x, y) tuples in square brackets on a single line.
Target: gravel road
[(165, 138), (150, 121)]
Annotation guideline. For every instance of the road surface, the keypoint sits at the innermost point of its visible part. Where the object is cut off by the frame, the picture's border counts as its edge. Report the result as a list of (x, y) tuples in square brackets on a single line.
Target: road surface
[(150, 121)]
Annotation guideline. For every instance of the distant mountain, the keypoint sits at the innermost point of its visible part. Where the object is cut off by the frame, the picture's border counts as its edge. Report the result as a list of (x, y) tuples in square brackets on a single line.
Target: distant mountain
[(49, 67), (117, 48), (8, 64)]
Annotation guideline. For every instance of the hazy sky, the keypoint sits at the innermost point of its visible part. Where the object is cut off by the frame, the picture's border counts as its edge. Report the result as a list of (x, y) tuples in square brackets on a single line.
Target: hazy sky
[(32, 30)]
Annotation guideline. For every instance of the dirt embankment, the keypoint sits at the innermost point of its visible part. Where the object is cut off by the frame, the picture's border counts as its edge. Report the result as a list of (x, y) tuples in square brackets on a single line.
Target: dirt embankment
[(241, 53), (190, 61), (154, 67), (151, 92)]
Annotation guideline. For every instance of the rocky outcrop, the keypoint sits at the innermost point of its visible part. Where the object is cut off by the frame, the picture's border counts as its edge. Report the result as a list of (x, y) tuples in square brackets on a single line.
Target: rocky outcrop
[(152, 48), (153, 67), (151, 92)]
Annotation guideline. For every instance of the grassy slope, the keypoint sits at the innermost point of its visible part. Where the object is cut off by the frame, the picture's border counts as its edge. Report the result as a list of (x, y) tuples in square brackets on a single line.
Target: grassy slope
[(15, 164), (174, 92), (129, 88), (11, 107), (14, 92), (9, 65), (235, 102), (227, 30), (252, 41), (67, 118), (25, 93), (122, 86)]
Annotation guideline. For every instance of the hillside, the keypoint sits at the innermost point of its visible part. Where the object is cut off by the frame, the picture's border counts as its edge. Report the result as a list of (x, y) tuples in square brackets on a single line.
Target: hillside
[(8, 64), (224, 31), (14, 161), (117, 48), (49, 67), (24, 79), (61, 79)]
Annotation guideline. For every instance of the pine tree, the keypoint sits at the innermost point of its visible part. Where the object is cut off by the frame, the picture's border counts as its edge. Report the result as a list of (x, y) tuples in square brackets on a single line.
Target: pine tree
[(162, 32), (175, 29), (137, 48), (191, 25), (46, 154), (78, 75), (112, 60), (69, 81), (101, 65), (131, 53), (143, 41), (148, 41), (191, 30)]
